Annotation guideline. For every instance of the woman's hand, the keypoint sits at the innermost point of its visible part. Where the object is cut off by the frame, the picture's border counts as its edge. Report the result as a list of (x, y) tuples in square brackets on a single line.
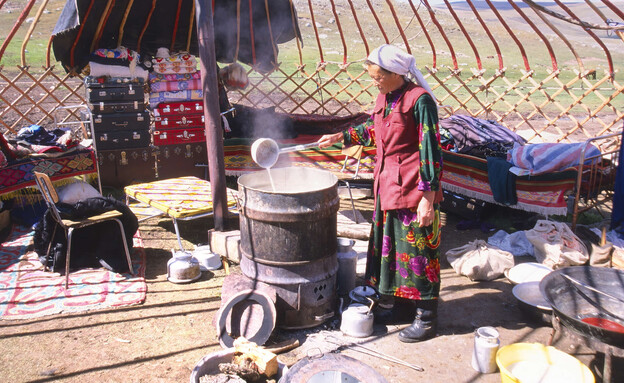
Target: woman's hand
[(328, 140), (425, 209)]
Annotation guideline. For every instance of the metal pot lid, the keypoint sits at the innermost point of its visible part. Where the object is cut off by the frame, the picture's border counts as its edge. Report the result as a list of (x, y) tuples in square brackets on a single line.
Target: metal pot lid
[(362, 293), (257, 328), (331, 368)]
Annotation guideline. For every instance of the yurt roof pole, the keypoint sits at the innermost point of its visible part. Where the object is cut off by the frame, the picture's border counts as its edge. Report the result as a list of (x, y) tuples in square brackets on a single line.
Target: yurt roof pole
[(214, 135)]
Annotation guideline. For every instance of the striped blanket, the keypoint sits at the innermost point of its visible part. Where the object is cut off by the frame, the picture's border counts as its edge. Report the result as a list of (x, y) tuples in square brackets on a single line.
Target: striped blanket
[(174, 86), (544, 193), (180, 95), (545, 158)]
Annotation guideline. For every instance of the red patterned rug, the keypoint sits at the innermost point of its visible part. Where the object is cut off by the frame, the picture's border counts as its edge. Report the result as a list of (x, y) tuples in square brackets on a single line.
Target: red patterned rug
[(26, 291)]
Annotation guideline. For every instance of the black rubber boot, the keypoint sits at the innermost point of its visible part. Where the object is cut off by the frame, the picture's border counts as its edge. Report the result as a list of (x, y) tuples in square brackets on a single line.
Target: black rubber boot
[(425, 324), (401, 312)]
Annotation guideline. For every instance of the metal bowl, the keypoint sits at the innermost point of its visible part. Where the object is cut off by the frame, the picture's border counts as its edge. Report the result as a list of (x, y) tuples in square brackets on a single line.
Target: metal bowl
[(527, 272), (572, 303), (531, 301)]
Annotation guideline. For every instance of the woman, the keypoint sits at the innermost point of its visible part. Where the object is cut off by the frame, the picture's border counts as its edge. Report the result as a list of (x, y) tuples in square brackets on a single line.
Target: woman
[(403, 256)]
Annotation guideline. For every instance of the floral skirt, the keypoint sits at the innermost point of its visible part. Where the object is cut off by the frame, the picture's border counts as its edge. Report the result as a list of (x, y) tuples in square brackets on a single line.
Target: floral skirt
[(403, 259)]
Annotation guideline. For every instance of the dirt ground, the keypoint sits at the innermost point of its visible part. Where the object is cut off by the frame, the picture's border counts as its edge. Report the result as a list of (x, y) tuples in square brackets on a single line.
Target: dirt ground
[(162, 339)]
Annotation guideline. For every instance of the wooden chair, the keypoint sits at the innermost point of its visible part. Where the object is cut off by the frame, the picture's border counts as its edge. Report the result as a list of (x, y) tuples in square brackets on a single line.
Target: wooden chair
[(51, 197)]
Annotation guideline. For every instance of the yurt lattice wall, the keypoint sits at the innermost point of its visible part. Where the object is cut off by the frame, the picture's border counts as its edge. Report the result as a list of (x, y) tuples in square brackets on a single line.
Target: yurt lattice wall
[(550, 73)]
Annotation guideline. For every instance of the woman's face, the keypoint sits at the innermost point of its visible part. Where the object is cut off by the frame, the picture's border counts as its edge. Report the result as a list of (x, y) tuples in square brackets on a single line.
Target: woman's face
[(384, 81)]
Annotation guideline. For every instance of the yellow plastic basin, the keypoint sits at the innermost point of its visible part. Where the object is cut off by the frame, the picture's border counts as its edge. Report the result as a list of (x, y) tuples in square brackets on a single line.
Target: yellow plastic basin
[(536, 363)]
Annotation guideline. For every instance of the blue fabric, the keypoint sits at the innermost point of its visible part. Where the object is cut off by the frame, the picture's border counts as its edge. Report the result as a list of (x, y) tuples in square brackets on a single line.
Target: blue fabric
[(617, 216), (502, 181)]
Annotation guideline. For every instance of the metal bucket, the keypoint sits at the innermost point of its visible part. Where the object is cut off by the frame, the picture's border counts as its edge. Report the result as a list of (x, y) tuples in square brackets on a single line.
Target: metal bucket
[(288, 240)]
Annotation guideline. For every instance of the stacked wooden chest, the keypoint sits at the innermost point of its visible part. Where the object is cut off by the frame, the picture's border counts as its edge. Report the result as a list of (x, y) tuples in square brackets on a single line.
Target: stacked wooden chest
[(179, 123), (120, 118)]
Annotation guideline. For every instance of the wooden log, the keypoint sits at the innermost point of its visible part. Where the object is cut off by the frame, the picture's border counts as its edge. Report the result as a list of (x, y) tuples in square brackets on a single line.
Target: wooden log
[(249, 354)]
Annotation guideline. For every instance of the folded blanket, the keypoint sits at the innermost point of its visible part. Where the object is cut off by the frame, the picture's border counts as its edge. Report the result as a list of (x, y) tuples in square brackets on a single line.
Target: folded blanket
[(550, 157), (117, 53), (478, 137), (178, 63), (98, 70), (185, 59), (172, 86), (156, 77), (182, 95), (174, 69)]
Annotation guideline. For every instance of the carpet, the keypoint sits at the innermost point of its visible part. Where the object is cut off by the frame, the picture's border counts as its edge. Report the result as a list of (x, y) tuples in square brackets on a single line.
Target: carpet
[(26, 291)]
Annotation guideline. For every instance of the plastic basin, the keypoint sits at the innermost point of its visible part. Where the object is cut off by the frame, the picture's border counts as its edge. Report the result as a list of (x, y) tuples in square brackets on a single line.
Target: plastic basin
[(534, 362)]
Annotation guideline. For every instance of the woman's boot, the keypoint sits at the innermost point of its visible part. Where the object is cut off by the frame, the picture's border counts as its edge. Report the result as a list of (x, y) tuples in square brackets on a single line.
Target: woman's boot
[(425, 325), (401, 311)]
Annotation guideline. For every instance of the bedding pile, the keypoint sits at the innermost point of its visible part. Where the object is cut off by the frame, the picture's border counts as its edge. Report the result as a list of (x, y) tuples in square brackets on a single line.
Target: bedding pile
[(118, 62), (174, 78)]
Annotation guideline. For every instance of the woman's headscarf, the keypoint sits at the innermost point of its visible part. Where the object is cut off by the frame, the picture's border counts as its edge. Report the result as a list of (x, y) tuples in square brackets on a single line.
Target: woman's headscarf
[(397, 61)]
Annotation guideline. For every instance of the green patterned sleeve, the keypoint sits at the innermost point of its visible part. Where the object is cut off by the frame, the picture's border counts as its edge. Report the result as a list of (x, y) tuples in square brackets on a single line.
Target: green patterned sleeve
[(362, 134), (426, 114)]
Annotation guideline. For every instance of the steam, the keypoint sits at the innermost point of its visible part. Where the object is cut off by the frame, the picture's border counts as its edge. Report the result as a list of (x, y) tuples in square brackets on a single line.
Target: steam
[(290, 180)]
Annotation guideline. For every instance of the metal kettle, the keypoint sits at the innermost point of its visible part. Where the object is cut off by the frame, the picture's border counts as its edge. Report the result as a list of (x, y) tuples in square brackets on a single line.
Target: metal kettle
[(182, 267)]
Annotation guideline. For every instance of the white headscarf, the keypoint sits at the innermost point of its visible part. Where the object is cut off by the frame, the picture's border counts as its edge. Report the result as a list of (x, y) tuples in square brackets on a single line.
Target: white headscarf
[(400, 62)]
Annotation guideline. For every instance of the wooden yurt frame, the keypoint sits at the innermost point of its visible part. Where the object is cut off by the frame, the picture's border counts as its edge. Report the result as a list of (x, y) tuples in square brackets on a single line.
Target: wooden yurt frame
[(318, 85), (546, 99)]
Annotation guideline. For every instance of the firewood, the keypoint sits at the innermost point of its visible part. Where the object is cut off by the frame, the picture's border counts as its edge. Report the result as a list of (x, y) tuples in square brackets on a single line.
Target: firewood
[(220, 378), (247, 373), (249, 354)]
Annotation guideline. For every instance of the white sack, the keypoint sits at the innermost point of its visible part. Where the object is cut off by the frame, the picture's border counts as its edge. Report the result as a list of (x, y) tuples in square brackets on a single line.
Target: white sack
[(556, 245), (479, 261)]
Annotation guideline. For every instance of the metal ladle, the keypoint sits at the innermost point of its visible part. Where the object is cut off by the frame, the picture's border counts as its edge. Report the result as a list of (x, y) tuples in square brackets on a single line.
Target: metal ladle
[(264, 151)]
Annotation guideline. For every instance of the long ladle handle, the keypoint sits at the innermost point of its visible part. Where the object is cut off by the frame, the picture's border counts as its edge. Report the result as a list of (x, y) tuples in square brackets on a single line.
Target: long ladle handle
[(591, 301), (577, 282), (297, 148)]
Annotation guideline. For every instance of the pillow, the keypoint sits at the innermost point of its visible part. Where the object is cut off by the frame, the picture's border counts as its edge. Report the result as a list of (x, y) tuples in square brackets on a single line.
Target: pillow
[(77, 191)]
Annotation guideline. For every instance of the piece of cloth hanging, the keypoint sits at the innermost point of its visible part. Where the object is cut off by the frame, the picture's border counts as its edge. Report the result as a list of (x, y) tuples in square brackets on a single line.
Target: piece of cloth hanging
[(502, 181), (617, 216)]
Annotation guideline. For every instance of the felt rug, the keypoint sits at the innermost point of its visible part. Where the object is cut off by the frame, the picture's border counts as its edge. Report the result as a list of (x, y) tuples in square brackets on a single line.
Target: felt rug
[(26, 291)]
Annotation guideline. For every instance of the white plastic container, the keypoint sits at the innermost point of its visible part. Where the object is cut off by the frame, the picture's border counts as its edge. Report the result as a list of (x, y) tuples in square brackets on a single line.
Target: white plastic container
[(486, 345)]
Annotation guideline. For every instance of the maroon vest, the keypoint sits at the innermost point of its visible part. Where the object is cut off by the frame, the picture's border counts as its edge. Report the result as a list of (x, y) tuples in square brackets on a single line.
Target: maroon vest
[(398, 159)]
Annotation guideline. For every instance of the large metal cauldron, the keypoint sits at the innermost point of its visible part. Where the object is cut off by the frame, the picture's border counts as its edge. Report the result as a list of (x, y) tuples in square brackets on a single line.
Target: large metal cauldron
[(572, 302), (288, 240)]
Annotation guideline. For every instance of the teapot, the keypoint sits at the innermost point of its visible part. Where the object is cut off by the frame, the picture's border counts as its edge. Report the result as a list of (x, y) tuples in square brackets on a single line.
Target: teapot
[(357, 320), (182, 267)]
